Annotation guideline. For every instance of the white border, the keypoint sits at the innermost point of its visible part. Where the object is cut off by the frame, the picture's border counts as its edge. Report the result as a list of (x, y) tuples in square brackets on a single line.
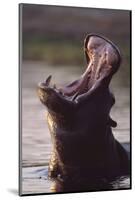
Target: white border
[(9, 98)]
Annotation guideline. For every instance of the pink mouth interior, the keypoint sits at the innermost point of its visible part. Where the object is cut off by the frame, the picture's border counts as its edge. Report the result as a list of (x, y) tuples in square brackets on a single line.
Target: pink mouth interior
[(79, 86), (101, 55)]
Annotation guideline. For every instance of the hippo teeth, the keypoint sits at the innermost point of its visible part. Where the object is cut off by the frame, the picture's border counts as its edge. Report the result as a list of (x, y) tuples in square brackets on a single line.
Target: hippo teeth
[(54, 86), (48, 80), (61, 92)]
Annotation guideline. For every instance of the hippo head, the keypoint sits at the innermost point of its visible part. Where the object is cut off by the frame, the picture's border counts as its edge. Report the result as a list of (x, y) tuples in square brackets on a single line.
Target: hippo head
[(103, 60)]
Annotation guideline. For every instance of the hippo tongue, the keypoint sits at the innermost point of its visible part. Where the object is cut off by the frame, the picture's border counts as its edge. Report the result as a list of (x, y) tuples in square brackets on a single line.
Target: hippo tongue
[(76, 86), (81, 85)]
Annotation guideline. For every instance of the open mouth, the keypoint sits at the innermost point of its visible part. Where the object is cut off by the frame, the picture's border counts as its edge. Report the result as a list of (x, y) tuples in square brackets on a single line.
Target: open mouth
[(102, 57)]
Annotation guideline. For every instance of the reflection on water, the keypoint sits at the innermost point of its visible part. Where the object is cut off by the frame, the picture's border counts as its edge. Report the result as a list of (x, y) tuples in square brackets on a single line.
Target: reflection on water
[(36, 143), (35, 180)]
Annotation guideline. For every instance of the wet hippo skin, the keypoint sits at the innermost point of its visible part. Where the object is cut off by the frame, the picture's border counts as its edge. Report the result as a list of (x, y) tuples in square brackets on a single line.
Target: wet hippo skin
[(84, 147)]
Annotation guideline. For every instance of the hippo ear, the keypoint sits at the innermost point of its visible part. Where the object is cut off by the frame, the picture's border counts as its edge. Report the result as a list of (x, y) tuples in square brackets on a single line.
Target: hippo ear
[(85, 48)]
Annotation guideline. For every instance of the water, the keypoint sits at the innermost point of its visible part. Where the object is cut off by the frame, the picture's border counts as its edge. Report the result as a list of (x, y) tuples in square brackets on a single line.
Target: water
[(36, 143)]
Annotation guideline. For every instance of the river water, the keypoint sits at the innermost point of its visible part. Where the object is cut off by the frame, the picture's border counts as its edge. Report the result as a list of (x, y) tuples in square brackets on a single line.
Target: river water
[(36, 143)]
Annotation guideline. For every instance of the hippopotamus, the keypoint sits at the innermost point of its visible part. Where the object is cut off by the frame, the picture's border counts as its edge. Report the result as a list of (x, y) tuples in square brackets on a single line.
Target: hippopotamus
[(84, 147)]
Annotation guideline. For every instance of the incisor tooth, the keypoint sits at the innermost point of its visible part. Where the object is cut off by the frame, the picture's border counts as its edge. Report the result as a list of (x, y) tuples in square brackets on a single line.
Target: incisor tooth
[(48, 80), (54, 86)]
